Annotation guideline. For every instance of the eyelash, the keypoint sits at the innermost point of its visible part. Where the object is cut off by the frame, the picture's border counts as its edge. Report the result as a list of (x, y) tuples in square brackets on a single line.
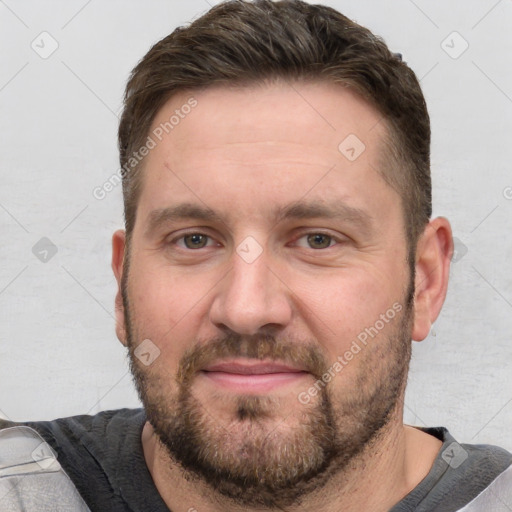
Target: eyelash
[(333, 240), (192, 233)]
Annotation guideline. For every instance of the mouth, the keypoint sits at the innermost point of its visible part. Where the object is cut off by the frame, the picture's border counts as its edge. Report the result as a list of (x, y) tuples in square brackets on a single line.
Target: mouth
[(252, 377)]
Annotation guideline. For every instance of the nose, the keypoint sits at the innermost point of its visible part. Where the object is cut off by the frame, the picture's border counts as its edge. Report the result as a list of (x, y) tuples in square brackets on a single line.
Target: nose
[(251, 298)]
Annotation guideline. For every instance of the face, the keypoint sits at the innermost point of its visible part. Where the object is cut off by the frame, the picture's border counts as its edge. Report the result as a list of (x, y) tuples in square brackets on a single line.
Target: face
[(268, 268)]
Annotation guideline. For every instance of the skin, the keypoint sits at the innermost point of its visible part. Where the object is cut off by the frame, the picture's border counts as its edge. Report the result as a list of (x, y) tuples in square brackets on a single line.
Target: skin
[(247, 154)]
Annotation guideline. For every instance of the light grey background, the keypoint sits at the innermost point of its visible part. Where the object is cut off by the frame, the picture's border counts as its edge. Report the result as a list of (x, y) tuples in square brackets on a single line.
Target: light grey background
[(58, 120)]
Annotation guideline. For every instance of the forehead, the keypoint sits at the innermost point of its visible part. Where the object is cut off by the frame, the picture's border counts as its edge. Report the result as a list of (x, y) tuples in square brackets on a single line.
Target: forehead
[(316, 113), (279, 140)]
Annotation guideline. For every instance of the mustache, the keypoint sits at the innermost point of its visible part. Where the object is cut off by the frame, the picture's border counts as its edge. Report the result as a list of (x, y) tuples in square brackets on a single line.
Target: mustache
[(306, 356)]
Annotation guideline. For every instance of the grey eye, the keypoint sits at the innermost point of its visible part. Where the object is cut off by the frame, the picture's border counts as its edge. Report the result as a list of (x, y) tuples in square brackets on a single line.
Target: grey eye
[(195, 241), (319, 241)]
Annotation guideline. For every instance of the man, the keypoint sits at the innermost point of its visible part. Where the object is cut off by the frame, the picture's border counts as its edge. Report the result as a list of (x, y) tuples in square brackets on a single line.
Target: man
[(278, 258)]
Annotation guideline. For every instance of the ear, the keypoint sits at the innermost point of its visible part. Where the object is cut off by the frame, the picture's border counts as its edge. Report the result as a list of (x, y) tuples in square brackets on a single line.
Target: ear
[(433, 256), (118, 255)]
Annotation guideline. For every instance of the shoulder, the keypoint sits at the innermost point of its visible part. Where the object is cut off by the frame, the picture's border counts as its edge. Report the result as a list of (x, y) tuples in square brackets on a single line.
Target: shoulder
[(456, 455), (90, 448), (482, 463), (472, 471), (87, 440), (486, 459), (497, 496), (6, 424), (102, 418), (459, 474), (98, 425)]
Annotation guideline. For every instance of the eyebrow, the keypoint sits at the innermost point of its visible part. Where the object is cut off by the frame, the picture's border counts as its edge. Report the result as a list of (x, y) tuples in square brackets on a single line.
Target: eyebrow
[(359, 219), (296, 211), (182, 211), (317, 209)]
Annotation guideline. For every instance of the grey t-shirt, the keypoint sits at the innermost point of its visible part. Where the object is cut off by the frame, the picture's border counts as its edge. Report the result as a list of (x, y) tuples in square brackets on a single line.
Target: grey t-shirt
[(103, 456)]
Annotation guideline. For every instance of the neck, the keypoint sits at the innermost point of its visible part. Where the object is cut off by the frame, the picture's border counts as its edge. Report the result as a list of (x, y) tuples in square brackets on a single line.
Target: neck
[(387, 470)]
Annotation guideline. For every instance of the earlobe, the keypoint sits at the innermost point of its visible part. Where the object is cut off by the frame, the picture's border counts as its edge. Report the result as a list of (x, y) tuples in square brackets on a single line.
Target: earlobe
[(433, 256), (118, 255)]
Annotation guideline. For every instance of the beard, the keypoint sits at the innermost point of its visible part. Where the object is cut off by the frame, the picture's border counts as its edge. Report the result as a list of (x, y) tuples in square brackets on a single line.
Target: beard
[(272, 452)]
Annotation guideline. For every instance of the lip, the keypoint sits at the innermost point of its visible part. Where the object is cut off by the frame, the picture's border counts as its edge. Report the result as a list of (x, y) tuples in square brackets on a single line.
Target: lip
[(252, 377), (252, 367)]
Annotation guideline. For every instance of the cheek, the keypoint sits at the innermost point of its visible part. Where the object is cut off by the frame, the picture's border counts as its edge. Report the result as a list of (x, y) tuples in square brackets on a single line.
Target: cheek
[(166, 308), (339, 308)]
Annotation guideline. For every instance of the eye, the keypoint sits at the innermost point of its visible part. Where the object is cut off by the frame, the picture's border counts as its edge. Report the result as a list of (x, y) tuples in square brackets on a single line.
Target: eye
[(316, 241), (194, 241)]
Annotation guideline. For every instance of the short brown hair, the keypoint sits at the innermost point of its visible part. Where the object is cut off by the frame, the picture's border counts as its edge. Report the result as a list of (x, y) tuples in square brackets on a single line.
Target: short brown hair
[(242, 42)]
